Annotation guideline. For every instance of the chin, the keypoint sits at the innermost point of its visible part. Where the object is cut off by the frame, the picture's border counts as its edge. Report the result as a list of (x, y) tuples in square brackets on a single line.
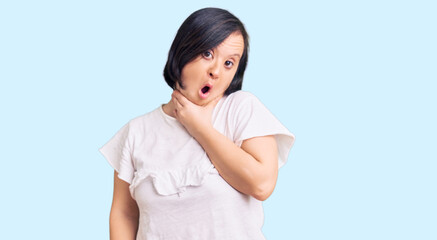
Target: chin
[(202, 102)]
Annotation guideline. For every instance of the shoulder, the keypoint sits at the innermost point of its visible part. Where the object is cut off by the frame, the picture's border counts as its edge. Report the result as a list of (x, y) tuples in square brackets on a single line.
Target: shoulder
[(241, 105), (242, 97), (140, 121)]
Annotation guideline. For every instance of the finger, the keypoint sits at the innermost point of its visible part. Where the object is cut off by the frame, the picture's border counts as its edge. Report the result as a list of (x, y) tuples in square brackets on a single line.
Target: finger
[(180, 97), (176, 114), (176, 102)]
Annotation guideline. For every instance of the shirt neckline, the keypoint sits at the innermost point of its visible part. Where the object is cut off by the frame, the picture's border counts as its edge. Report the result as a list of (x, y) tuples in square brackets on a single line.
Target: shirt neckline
[(166, 115)]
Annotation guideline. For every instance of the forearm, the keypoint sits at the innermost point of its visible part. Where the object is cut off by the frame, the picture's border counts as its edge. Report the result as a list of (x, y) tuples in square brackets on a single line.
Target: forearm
[(122, 227), (241, 170), (251, 169)]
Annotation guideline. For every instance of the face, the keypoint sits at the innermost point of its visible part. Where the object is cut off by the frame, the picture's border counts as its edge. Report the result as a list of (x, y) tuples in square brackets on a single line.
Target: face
[(210, 74)]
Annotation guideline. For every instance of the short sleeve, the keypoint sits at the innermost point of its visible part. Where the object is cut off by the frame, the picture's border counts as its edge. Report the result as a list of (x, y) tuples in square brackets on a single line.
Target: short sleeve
[(253, 119), (118, 152)]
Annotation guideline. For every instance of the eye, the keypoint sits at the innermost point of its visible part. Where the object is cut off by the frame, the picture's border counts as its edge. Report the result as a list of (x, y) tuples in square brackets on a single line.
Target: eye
[(207, 54), (229, 64)]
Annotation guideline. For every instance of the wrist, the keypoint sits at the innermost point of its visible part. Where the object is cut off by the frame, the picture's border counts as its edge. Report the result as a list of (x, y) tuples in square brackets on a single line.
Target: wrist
[(200, 133)]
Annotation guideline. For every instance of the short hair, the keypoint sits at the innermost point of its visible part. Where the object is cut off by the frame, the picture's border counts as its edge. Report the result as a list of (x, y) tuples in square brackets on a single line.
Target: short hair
[(203, 30)]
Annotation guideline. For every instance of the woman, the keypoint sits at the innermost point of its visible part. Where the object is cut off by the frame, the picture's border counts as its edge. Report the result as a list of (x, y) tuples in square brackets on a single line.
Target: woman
[(199, 166)]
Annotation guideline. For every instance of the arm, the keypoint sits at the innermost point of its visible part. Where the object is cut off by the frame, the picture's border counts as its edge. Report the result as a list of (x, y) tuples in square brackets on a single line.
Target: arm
[(124, 216), (251, 169)]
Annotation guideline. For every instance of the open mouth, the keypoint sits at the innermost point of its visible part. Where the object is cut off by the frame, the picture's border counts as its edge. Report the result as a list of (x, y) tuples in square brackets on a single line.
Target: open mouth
[(204, 92), (205, 89)]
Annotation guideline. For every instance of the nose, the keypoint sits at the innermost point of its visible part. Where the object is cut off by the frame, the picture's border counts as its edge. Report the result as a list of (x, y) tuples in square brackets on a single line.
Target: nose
[(214, 70)]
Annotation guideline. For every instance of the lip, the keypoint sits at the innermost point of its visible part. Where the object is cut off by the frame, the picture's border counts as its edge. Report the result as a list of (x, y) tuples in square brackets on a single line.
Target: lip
[(205, 95)]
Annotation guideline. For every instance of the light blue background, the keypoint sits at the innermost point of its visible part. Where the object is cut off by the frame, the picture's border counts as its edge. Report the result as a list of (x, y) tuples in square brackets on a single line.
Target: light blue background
[(355, 81)]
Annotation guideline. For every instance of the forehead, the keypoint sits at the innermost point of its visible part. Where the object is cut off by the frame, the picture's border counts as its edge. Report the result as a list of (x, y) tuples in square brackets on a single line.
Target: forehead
[(233, 44)]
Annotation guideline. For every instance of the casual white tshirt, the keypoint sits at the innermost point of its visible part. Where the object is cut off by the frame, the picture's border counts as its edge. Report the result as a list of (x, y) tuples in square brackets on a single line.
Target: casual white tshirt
[(179, 193)]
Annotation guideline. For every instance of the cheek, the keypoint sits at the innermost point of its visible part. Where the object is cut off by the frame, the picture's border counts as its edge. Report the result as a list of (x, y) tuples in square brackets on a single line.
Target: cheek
[(186, 75), (186, 72), (230, 77), (190, 72), (225, 84)]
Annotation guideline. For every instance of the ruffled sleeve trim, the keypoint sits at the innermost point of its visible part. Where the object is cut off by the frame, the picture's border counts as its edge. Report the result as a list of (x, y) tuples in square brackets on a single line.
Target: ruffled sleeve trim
[(117, 151), (252, 119)]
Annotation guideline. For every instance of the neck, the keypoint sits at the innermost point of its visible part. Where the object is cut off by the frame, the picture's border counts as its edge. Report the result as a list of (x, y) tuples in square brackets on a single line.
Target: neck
[(169, 108)]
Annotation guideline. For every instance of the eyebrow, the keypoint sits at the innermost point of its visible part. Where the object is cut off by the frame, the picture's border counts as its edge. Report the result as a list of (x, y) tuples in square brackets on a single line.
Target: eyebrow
[(235, 54)]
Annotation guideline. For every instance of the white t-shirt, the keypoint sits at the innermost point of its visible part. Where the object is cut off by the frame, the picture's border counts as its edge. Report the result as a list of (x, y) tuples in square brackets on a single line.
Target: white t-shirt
[(179, 192)]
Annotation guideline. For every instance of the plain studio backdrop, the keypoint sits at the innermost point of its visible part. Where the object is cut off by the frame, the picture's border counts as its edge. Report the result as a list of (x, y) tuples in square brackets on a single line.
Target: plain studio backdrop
[(355, 81)]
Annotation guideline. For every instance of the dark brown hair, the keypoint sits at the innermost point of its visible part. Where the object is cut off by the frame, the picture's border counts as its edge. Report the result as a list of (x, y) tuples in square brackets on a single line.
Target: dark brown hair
[(201, 31)]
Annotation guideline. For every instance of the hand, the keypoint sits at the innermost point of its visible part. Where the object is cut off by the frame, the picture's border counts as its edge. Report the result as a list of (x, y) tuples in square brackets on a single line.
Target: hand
[(196, 119)]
